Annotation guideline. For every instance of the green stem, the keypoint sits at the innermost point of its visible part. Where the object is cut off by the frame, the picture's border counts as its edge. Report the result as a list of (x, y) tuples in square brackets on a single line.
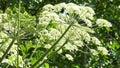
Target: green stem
[(34, 51), (61, 46), (55, 51), (41, 64), (9, 47), (18, 32), (52, 45)]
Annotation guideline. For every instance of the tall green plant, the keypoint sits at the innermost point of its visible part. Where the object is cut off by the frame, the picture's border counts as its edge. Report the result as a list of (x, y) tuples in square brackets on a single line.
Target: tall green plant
[(47, 33)]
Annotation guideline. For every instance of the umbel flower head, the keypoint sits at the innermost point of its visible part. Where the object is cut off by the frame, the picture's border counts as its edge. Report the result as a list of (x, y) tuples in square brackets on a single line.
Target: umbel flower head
[(54, 20), (93, 51), (84, 12), (103, 50), (69, 57), (103, 23)]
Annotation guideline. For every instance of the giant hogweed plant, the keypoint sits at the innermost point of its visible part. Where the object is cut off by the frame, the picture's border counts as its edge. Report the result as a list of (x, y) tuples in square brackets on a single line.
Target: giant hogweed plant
[(58, 34)]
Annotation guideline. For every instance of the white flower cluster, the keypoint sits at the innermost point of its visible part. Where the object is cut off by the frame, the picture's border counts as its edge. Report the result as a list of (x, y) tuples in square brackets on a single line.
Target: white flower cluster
[(47, 46), (103, 23), (13, 59), (13, 51), (54, 20), (84, 13), (4, 41), (3, 35), (50, 35), (38, 1), (8, 29), (103, 50), (70, 47), (100, 49), (69, 57), (48, 7), (95, 40), (2, 16), (94, 52), (49, 18), (88, 22)]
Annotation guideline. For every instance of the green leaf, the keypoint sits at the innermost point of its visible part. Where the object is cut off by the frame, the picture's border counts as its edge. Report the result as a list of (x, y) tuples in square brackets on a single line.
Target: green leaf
[(115, 45), (23, 49), (46, 65)]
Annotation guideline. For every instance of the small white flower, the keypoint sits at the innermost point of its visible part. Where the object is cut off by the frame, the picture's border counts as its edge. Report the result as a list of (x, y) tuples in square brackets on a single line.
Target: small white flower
[(47, 46), (44, 32), (48, 7), (3, 16), (86, 13), (119, 6), (103, 23), (111, 42), (62, 27), (21, 63), (54, 33), (71, 4), (40, 0), (58, 7), (95, 41), (93, 51), (86, 36), (89, 16), (44, 19), (103, 50), (64, 16), (8, 29), (90, 10), (78, 43), (89, 30), (6, 61), (60, 51), (69, 57), (70, 47), (111, 0), (14, 49), (1, 54), (83, 12), (45, 58), (3, 35), (73, 9), (50, 15), (88, 22), (5, 46)]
